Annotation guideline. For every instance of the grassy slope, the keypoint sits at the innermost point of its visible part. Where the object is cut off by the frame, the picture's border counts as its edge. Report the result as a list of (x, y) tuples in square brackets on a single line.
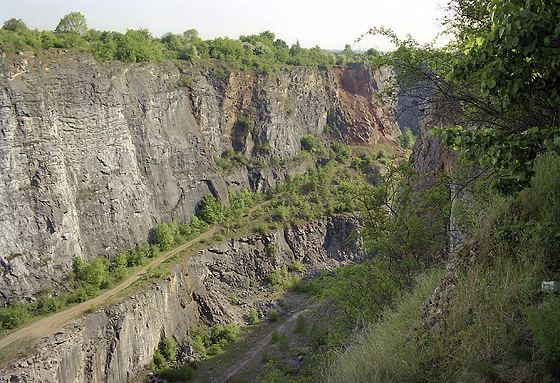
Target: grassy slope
[(487, 320)]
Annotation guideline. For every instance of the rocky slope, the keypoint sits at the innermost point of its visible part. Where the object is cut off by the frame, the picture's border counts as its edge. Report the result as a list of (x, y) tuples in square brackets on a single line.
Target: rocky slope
[(94, 155), (116, 342)]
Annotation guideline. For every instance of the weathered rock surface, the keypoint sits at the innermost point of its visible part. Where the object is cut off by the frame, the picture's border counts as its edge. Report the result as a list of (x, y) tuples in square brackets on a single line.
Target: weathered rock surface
[(94, 155), (117, 342)]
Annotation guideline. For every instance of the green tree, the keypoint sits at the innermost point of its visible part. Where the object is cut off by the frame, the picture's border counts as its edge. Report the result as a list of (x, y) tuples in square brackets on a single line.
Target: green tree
[(309, 143), (406, 139), (164, 237), (511, 63), (74, 22), (14, 25), (210, 210), (404, 217), (95, 273), (120, 263)]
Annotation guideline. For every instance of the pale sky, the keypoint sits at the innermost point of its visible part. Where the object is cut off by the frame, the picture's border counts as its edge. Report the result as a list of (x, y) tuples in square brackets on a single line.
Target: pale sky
[(325, 23)]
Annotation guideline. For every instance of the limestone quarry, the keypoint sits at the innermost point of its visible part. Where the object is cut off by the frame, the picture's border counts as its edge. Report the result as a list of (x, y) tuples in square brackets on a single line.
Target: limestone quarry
[(95, 155)]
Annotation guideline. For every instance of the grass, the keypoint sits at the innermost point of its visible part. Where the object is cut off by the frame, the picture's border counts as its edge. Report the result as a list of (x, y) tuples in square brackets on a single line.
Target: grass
[(492, 323), (387, 346)]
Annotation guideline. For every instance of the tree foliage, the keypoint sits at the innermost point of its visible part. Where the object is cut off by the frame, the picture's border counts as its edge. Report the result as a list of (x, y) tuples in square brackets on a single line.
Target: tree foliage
[(74, 22), (210, 210), (512, 64), (406, 139), (404, 217), (14, 25), (164, 237), (494, 87), (262, 52)]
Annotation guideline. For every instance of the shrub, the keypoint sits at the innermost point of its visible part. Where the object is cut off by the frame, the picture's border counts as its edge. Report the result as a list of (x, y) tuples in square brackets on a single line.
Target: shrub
[(261, 228), (210, 210), (271, 249), (281, 213), (342, 151), (169, 349), (219, 237), (310, 143), (253, 316), (94, 273), (275, 277), (283, 343), (301, 324), (230, 333), (154, 250), (274, 337), (545, 324), (273, 315), (215, 349), (245, 123), (185, 372), (297, 267), (234, 299), (50, 305), (13, 316), (159, 359), (406, 140), (198, 345), (164, 237)]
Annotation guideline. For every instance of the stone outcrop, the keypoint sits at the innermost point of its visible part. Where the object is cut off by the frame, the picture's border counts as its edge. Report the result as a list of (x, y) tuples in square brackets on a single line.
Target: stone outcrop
[(117, 342), (94, 155)]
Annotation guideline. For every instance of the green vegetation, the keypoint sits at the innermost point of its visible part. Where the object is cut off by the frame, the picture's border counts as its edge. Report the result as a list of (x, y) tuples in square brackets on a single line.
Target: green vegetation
[(253, 316), (484, 318), (273, 315), (404, 220), (494, 324), (164, 363), (301, 324), (215, 340), (406, 139), (210, 210), (263, 52), (499, 79), (73, 22)]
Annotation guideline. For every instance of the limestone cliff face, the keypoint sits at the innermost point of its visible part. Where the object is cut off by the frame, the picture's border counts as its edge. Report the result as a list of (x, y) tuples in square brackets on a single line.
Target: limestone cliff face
[(117, 342), (93, 155)]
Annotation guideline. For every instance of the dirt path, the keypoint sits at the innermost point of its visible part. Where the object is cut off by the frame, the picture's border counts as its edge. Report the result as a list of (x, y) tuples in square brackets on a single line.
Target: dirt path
[(256, 351), (51, 323)]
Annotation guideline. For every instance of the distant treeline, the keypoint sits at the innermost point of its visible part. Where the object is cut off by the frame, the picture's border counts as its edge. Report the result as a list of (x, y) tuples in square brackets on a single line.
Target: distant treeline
[(263, 52)]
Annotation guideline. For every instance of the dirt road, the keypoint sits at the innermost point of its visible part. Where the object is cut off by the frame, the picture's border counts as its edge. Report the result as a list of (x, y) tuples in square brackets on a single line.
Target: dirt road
[(51, 323), (54, 322)]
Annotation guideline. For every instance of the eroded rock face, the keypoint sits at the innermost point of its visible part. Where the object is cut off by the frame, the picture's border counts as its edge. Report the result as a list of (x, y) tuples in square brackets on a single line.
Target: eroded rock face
[(94, 155), (233, 266), (117, 342)]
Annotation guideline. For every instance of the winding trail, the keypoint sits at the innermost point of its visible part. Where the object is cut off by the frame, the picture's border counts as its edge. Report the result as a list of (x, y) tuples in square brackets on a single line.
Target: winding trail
[(50, 324)]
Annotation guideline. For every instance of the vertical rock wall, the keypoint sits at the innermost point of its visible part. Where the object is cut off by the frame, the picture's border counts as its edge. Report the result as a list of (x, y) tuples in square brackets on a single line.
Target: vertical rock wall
[(94, 155), (117, 342)]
